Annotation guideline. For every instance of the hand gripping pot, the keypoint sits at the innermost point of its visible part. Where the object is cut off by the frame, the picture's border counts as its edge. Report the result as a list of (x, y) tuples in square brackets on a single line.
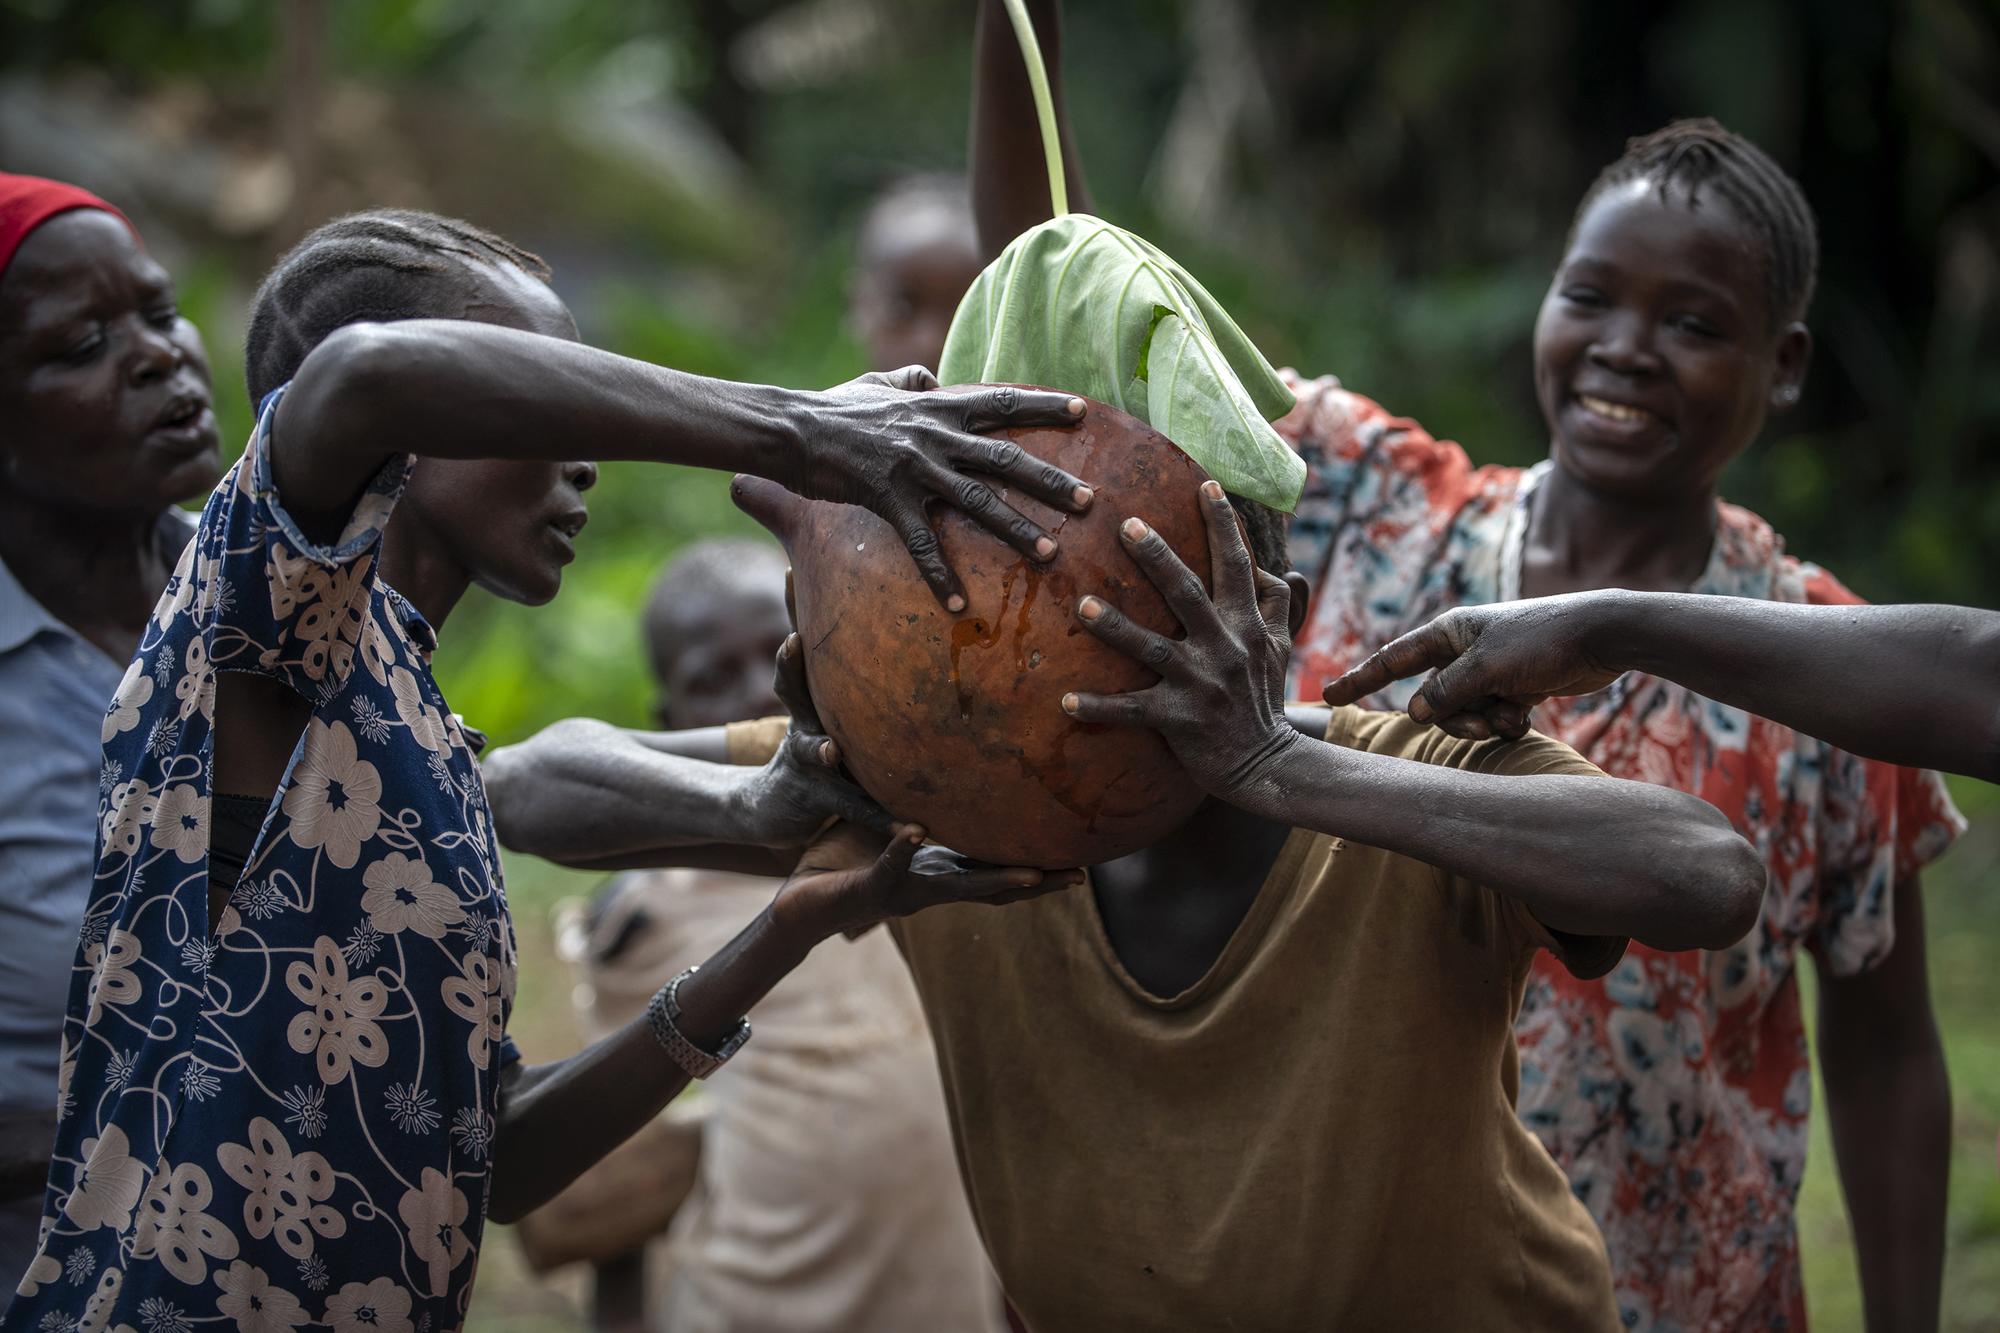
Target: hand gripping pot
[(955, 721)]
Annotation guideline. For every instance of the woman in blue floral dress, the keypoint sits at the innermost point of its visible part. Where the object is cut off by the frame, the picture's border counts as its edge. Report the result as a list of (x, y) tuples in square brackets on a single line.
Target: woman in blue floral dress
[(285, 1079)]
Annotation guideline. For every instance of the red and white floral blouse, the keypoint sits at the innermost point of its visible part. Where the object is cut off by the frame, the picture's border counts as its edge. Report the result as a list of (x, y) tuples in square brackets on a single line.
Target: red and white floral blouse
[(1675, 1090)]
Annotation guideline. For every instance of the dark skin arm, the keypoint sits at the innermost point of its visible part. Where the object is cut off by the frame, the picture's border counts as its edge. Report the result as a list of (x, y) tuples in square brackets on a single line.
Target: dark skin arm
[(558, 1119), (1010, 175), (1587, 856), (587, 794), (1886, 1084), (461, 389), (1842, 673)]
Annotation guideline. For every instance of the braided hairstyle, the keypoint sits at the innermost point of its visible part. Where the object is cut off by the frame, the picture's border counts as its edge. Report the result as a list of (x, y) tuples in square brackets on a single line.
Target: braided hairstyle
[(385, 264), (1697, 155)]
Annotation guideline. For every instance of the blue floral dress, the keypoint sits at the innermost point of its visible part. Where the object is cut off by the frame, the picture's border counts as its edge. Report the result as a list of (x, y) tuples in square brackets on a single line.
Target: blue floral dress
[(287, 1122)]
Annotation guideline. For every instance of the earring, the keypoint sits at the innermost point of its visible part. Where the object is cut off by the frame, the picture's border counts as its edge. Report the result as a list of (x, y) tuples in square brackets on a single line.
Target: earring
[(1789, 394)]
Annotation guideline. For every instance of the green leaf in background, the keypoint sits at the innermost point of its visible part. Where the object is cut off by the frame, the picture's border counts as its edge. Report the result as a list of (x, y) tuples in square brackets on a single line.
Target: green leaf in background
[(1080, 305)]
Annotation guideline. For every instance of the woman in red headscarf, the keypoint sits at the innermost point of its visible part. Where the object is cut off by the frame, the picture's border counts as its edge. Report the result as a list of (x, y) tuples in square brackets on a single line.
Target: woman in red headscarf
[(104, 428)]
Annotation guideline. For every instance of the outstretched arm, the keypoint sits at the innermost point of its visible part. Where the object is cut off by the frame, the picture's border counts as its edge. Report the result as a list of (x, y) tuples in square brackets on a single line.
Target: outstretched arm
[(1915, 685), (584, 793), (1586, 855), (460, 389), (558, 1119), (1010, 178)]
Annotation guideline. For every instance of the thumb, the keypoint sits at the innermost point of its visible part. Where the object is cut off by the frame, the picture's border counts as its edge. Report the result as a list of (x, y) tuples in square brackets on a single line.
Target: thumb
[(1449, 690)]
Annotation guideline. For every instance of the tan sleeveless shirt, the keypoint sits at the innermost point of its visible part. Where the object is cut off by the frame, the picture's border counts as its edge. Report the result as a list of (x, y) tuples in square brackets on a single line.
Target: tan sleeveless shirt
[(1319, 1134)]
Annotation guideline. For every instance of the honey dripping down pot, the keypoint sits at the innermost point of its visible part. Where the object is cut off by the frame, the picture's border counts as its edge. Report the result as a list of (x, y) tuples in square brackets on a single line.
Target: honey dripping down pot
[(954, 721)]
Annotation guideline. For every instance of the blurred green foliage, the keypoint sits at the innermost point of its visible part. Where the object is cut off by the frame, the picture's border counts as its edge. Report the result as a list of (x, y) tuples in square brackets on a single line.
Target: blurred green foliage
[(1392, 186)]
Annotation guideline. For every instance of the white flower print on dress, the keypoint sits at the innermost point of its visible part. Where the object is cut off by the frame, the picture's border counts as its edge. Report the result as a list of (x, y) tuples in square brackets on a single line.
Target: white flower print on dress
[(97, 1310), (258, 899), (45, 1269), (112, 980), (162, 737), (415, 1111), (163, 1316), (196, 687), (211, 1047), (133, 691), (475, 997), (339, 1020), (174, 1224), (435, 1214), (426, 724), (128, 810), (108, 1186), (287, 1192), (179, 591), (472, 1131), (257, 1307), (381, 1306), (329, 629), (306, 1108), (369, 721), (402, 896), (180, 823), (331, 801)]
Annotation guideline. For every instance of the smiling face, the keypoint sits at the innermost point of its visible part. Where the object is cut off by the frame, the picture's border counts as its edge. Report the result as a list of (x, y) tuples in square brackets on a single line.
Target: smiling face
[(509, 524), (104, 387), (1656, 355)]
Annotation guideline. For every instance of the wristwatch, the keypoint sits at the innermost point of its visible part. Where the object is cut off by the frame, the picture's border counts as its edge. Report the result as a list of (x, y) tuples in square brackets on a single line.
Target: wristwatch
[(663, 1015)]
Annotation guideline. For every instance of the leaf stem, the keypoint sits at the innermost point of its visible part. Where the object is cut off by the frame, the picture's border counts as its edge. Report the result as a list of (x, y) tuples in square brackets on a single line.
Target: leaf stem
[(1045, 106)]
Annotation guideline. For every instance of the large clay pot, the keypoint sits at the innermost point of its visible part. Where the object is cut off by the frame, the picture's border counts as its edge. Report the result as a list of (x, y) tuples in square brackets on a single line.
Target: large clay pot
[(955, 721)]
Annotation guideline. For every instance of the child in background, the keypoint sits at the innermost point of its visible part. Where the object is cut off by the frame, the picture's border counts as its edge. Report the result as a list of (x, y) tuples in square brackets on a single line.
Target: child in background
[(827, 1199), (915, 257)]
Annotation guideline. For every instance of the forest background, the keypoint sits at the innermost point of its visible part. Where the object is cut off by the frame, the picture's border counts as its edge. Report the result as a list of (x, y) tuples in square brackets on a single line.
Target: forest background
[(1374, 188)]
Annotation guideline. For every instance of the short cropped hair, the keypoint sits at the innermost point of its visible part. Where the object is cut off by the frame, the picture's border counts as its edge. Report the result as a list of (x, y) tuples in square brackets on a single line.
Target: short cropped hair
[(385, 264), (1700, 154), (1270, 545)]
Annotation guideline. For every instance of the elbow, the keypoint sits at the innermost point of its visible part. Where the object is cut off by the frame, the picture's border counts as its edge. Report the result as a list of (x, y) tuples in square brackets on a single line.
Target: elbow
[(352, 360), (520, 779), (505, 775), (1741, 878), (1714, 899)]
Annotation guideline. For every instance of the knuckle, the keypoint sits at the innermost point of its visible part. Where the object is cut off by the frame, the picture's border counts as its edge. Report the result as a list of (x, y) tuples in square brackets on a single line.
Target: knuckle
[(973, 496), (1005, 456), (1006, 400), (1156, 652)]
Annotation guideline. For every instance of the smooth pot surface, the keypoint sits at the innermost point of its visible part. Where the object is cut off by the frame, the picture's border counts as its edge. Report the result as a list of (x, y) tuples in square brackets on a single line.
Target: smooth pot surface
[(955, 721)]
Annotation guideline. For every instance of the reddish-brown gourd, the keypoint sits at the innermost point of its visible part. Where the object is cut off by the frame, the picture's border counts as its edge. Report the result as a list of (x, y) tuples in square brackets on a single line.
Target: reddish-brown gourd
[(955, 721)]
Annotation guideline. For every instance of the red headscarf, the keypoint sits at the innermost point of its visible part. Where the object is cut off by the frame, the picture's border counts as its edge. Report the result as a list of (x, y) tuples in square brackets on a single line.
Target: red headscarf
[(26, 202)]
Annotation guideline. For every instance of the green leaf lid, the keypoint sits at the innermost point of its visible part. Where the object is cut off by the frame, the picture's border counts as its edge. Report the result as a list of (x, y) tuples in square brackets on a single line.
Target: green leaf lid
[(1080, 305)]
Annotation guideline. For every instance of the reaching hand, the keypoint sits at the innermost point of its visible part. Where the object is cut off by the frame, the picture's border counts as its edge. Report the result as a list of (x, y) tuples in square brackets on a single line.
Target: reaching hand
[(802, 789), (1490, 665), (1220, 701), (895, 442), (850, 878)]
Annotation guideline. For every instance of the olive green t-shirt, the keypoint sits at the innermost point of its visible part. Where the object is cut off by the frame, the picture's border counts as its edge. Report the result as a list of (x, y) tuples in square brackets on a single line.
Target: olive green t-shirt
[(1319, 1134)]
